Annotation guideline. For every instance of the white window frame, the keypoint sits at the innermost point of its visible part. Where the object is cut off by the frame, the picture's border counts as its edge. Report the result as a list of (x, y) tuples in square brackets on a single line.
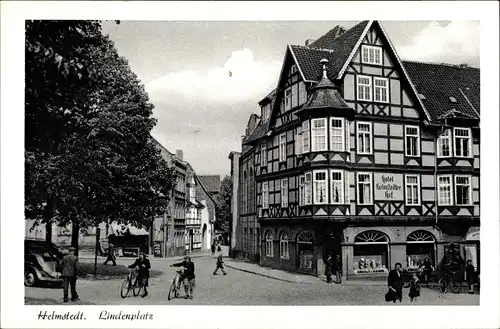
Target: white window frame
[(308, 187), (284, 193), (455, 137), (306, 137), (342, 186), (316, 181), (448, 138), (358, 197), (365, 50), (411, 135), (282, 148), (370, 134), (469, 178), (367, 87), (284, 254), (342, 133), (315, 134), (269, 244), (440, 203), (384, 90), (298, 141), (265, 195), (407, 188), (287, 96), (263, 154), (302, 190)]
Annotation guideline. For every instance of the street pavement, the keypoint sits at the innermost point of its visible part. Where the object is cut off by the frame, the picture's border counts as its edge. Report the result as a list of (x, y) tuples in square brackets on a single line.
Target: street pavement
[(247, 285)]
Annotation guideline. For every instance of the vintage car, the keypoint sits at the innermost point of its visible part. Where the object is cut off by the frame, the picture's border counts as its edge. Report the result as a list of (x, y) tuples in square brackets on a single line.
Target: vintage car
[(41, 261)]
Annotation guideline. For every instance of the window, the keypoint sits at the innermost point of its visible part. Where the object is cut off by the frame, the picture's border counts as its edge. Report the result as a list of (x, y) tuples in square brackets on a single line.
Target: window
[(412, 190), (284, 192), (293, 69), (295, 95), (284, 245), (444, 144), (371, 55), (364, 188), (337, 135), (462, 190), (265, 195), (302, 183), (266, 109), (308, 188), (302, 93), (364, 138), (263, 154), (269, 244), (320, 191), (305, 137), (298, 141), (319, 135), (364, 88), (381, 90), (444, 190), (282, 147), (337, 187), (288, 98), (462, 142), (412, 141)]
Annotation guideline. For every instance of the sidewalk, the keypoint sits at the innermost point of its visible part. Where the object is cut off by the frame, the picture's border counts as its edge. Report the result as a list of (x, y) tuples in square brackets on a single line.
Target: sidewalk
[(292, 277)]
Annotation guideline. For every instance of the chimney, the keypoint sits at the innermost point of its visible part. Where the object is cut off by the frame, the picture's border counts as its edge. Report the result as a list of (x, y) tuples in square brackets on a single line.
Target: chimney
[(309, 41), (179, 154)]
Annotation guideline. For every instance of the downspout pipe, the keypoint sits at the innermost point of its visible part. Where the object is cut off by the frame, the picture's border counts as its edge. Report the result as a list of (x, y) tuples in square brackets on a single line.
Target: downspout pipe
[(436, 187)]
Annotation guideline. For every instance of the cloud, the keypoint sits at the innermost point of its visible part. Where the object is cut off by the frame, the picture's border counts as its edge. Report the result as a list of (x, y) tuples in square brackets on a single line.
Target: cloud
[(455, 43), (240, 78)]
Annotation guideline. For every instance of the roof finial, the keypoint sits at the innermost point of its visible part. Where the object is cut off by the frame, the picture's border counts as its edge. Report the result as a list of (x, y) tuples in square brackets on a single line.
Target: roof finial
[(324, 62)]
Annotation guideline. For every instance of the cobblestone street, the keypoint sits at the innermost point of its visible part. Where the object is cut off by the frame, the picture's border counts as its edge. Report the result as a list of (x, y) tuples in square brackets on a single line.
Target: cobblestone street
[(241, 288)]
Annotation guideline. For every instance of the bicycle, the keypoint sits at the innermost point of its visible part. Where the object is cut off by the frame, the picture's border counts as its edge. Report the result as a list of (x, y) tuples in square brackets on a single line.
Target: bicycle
[(131, 282), (173, 291), (453, 281)]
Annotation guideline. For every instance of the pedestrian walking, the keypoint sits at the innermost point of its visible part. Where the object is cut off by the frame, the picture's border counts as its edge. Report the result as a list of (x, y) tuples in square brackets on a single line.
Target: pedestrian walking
[(69, 268), (213, 249), (469, 276), (328, 269), (188, 277), (111, 254), (338, 269), (144, 265), (220, 264), (414, 288), (428, 268), (395, 283)]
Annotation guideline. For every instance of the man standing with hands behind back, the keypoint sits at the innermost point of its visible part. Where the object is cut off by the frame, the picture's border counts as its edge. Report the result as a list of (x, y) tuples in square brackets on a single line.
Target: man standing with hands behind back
[(69, 268)]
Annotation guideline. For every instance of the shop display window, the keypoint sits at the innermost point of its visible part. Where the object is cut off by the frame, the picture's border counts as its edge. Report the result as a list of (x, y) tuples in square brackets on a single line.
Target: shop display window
[(370, 259)]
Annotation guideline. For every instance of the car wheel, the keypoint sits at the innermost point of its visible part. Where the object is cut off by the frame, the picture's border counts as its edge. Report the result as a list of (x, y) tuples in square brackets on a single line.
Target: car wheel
[(29, 278)]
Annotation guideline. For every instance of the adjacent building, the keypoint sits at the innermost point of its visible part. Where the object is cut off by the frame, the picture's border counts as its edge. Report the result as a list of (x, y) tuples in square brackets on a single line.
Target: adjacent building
[(360, 154), (207, 190)]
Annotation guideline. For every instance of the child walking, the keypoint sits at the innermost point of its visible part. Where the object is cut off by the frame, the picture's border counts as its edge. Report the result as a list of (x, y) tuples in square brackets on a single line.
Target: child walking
[(414, 288)]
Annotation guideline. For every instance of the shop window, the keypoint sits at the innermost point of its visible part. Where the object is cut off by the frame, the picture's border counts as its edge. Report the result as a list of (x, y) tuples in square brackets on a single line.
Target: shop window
[(305, 251), (371, 250), (463, 142), (284, 245), (269, 244), (420, 245), (444, 144)]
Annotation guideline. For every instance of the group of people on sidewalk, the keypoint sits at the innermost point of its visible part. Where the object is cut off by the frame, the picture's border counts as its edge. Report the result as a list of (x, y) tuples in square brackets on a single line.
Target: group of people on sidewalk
[(333, 266)]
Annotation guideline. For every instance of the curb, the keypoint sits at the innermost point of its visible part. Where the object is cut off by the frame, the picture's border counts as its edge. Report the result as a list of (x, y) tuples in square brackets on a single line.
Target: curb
[(265, 275)]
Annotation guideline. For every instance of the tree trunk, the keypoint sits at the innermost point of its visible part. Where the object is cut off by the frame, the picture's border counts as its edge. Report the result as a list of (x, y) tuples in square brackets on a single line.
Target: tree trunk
[(47, 218), (97, 235), (75, 234)]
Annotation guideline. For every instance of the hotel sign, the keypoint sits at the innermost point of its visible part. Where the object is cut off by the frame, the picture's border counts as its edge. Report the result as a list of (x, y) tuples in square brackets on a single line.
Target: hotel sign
[(388, 187)]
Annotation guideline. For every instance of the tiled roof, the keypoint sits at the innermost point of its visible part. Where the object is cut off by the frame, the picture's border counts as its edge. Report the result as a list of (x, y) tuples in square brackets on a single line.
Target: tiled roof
[(325, 95), (258, 132), (438, 82), (210, 182), (326, 40), (336, 50)]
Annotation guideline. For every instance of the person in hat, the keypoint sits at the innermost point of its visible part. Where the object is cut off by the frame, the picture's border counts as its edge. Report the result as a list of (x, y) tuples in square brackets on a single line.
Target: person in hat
[(144, 265), (69, 268), (187, 276)]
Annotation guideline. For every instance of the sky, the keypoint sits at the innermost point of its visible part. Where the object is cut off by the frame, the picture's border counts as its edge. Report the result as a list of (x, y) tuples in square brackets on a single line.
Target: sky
[(203, 111)]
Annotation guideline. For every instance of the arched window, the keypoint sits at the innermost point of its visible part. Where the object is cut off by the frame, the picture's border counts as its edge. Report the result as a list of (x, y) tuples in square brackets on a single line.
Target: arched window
[(305, 237), (371, 250), (305, 251), (371, 237), (284, 245), (420, 236), (420, 245), (269, 244)]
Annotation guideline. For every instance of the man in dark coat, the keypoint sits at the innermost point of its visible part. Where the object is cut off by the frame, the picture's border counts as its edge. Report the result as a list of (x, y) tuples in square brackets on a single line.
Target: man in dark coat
[(395, 283), (220, 264), (338, 269), (188, 276), (144, 265), (69, 268), (469, 276), (328, 269), (111, 254)]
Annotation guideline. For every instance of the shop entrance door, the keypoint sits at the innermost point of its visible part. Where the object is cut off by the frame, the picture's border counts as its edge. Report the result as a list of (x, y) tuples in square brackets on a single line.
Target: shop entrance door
[(305, 252)]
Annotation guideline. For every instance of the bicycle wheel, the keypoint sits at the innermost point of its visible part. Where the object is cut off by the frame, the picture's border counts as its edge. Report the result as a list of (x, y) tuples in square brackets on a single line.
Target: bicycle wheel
[(172, 291), (456, 285), (137, 287), (125, 288)]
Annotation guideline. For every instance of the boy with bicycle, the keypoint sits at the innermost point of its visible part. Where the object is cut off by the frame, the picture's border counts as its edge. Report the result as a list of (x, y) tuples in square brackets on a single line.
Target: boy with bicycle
[(187, 276), (144, 265)]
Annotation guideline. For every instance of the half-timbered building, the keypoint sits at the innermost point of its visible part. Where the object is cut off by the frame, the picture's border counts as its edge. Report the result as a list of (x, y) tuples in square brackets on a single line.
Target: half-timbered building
[(359, 154)]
